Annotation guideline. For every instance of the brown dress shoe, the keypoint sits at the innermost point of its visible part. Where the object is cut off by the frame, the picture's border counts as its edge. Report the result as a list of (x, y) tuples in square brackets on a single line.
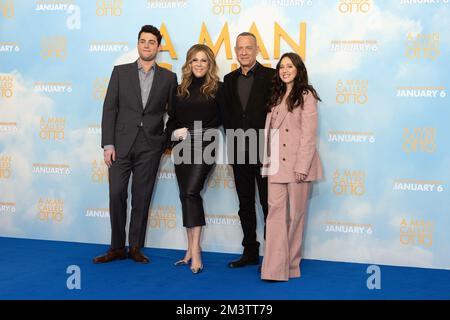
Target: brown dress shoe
[(136, 255), (111, 255)]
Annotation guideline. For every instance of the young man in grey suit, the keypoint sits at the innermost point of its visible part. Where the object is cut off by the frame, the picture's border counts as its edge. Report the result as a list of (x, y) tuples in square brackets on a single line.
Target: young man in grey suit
[(133, 139)]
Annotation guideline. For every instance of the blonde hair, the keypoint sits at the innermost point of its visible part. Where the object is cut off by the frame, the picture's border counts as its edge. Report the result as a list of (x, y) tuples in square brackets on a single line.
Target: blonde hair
[(211, 84)]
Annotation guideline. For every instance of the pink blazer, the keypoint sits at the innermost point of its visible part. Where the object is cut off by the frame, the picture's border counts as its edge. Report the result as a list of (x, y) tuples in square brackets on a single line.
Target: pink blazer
[(293, 141)]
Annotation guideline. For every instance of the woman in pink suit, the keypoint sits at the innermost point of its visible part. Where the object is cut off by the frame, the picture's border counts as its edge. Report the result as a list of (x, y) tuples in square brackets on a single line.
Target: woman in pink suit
[(292, 162)]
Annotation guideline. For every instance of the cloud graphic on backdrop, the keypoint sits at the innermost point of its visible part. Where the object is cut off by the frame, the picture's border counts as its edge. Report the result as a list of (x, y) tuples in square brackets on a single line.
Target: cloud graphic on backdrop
[(26, 109)]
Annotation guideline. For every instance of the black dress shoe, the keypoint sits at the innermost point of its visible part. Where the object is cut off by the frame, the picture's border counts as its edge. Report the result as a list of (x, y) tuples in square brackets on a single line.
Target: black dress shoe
[(137, 255), (111, 255), (244, 261)]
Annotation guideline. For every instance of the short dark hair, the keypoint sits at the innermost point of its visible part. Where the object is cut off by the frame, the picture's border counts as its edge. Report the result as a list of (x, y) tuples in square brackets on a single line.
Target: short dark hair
[(151, 29)]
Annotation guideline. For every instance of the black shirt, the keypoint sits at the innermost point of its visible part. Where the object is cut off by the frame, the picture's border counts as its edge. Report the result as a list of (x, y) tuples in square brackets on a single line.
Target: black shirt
[(244, 86), (196, 107)]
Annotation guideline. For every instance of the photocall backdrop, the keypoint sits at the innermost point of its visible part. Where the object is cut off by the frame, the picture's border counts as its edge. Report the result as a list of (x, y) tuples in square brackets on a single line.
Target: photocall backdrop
[(380, 67)]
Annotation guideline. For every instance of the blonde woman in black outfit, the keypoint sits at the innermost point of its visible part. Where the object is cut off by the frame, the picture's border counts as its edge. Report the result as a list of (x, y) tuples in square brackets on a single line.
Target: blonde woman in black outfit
[(197, 100)]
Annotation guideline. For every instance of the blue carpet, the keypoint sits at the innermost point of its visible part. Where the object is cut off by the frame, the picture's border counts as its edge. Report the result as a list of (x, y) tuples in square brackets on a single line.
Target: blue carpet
[(36, 269)]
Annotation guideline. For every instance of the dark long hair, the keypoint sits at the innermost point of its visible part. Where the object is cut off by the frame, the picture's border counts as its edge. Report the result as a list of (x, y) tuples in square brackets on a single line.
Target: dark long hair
[(301, 85)]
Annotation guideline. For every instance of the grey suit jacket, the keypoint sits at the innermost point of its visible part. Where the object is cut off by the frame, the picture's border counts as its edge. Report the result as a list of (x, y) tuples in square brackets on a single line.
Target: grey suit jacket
[(123, 111)]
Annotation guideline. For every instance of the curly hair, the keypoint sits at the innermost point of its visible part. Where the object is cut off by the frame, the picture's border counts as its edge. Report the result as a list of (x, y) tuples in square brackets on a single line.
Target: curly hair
[(301, 85), (211, 84)]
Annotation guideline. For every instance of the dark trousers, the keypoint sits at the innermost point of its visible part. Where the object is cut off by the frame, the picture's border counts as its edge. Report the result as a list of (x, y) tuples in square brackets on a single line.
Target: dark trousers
[(143, 161), (245, 176)]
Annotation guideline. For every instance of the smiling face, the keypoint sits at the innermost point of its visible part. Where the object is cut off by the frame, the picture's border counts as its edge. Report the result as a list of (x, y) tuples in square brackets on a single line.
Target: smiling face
[(148, 46), (246, 51), (287, 71), (199, 64)]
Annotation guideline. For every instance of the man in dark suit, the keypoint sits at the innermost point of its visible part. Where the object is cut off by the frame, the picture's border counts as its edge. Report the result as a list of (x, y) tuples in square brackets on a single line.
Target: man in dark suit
[(246, 93), (133, 140)]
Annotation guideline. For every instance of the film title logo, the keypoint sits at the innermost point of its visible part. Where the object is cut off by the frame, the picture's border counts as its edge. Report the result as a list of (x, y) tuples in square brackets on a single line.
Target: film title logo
[(222, 177), (349, 182), (53, 5), (166, 4), (97, 212), (423, 46), (350, 137), (5, 166), (354, 6), (416, 232), (50, 210), (9, 47), (7, 9), (112, 8), (278, 34), (418, 185), (99, 172), (348, 227), (163, 217), (100, 87), (54, 47), (59, 169), (419, 140), (224, 41), (7, 207), (8, 127), (222, 7), (52, 129), (53, 87), (6, 86), (421, 92), (352, 91)]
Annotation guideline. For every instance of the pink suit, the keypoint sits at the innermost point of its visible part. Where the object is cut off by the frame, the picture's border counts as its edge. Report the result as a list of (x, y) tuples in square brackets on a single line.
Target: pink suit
[(291, 140)]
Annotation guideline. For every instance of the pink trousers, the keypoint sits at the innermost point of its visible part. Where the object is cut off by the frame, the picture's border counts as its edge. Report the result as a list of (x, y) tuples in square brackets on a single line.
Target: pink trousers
[(288, 204)]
